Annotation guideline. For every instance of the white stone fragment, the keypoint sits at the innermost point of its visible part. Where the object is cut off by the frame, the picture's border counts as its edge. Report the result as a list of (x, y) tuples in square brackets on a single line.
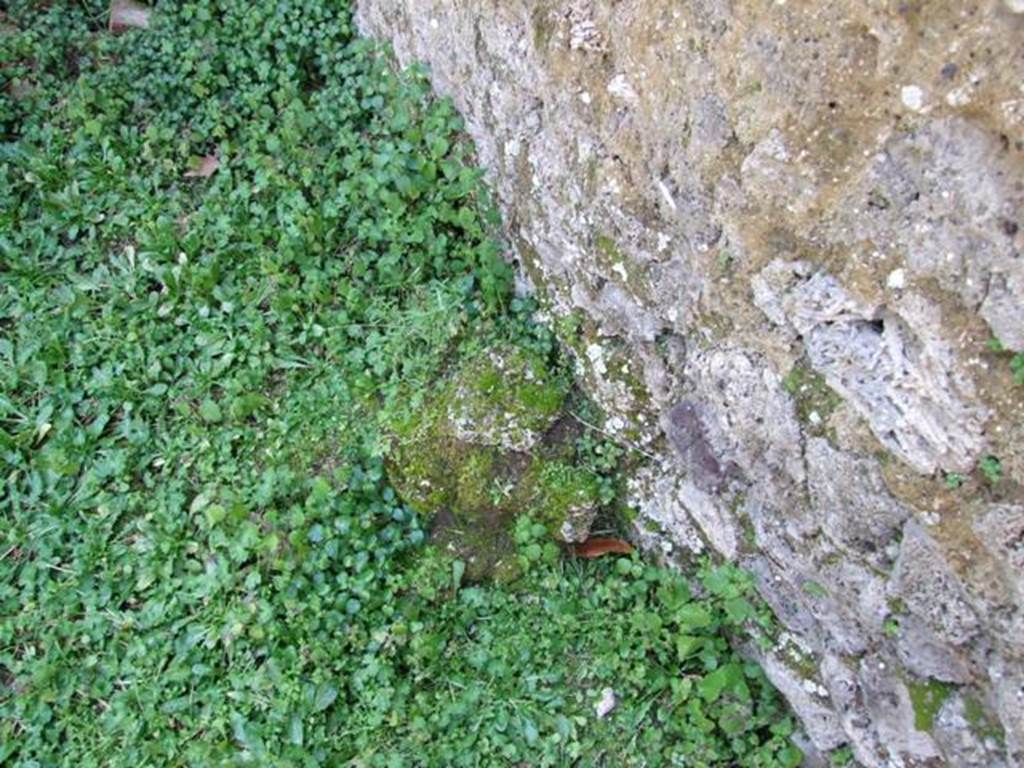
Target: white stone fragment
[(596, 356), (605, 704), (620, 88), (912, 97)]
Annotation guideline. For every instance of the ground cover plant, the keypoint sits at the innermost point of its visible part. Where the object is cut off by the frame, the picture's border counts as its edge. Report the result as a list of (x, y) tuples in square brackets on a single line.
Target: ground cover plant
[(234, 247)]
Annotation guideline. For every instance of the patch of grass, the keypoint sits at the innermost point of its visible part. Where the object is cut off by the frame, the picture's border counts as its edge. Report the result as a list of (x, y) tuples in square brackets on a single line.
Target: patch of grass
[(202, 561)]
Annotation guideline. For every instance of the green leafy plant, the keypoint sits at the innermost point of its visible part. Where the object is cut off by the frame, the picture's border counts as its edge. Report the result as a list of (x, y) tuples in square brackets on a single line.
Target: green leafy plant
[(992, 468)]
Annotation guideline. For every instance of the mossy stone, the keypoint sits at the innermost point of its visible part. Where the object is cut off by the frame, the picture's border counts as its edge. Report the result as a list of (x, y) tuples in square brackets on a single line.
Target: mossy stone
[(484, 450), (507, 399), (562, 496)]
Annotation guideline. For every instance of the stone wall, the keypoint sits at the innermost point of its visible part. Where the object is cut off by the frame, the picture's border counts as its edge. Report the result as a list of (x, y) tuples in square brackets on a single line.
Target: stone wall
[(779, 237)]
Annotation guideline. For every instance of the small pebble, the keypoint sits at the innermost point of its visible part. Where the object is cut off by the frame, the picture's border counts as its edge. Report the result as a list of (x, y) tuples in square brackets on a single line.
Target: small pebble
[(912, 97), (897, 279)]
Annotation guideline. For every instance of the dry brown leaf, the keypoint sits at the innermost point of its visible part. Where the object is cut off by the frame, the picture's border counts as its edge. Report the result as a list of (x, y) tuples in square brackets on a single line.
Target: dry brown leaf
[(599, 547), (206, 168), (127, 14)]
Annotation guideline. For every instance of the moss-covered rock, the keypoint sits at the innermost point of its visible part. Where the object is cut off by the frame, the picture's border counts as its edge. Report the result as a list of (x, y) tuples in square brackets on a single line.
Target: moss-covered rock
[(494, 443), (507, 399), (561, 495)]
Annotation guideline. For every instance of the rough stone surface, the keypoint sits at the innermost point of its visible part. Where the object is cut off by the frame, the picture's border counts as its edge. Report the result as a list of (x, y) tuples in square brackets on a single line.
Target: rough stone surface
[(861, 516), (905, 383), (961, 729), (778, 238), (930, 589)]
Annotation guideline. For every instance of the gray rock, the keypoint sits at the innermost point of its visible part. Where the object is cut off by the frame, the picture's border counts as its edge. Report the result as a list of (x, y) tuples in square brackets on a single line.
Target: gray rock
[(941, 194), (1008, 693), (673, 503), (809, 701), (891, 364), (747, 418), (958, 732), (926, 656), (663, 522), (1001, 528), (840, 677), (930, 590), (687, 434), (787, 600), (888, 703), (858, 512)]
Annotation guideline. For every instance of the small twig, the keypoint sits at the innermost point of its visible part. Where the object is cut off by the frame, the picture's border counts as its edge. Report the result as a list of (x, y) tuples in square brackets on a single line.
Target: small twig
[(56, 567), (614, 438)]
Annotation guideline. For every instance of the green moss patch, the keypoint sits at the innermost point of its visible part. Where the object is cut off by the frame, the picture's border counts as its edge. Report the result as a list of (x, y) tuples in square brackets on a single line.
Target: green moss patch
[(927, 699), (559, 494), (507, 398), (983, 725), (815, 400), (487, 449)]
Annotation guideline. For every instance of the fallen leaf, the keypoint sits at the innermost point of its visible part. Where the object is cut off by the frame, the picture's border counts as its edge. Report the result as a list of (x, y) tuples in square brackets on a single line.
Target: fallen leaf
[(206, 168), (598, 547), (127, 14)]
